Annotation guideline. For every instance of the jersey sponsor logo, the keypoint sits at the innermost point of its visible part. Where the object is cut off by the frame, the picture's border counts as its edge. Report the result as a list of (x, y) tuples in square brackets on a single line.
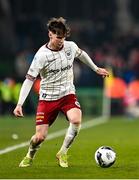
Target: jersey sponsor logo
[(66, 68), (54, 71), (58, 70)]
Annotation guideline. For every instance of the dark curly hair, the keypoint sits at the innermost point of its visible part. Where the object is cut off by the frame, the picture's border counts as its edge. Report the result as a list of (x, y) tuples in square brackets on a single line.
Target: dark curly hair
[(58, 26)]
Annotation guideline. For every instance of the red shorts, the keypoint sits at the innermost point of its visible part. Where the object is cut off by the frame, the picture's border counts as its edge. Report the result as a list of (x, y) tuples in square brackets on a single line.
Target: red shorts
[(47, 111)]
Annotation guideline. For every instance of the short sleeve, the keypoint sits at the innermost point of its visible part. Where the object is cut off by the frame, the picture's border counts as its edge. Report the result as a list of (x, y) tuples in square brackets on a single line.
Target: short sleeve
[(36, 65), (77, 50)]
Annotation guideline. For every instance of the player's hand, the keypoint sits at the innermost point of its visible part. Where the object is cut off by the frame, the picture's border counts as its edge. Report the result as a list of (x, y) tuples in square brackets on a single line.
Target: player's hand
[(18, 111), (103, 72)]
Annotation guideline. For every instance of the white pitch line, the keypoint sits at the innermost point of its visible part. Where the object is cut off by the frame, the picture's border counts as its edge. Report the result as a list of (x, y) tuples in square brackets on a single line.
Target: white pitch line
[(56, 134)]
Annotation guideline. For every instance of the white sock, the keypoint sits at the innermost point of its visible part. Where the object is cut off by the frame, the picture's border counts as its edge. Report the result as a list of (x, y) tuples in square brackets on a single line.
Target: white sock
[(72, 132), (33, 148)]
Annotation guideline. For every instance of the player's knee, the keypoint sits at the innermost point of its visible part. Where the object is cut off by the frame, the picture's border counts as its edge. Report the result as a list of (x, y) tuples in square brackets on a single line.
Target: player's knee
[(76, 121), (75, 116)]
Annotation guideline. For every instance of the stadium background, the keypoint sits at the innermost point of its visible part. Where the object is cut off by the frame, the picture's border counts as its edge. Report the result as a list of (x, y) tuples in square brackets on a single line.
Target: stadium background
[(109, 31)]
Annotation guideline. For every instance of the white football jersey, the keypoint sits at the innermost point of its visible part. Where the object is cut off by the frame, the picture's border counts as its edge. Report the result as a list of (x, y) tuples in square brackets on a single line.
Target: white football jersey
[(56, 70)]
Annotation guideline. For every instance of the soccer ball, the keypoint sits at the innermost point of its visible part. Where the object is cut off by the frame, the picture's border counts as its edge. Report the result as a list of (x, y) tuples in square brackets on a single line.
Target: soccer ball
[(105, 156)]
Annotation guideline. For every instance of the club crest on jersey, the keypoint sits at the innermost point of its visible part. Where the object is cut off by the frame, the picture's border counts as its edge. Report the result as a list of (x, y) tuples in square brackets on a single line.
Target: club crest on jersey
[(68, 54)]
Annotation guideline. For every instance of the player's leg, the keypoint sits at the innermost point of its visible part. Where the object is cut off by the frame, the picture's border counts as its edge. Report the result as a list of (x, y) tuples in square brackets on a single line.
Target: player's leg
[(74, 116), (37, 139), (35, 142), (45, 116)]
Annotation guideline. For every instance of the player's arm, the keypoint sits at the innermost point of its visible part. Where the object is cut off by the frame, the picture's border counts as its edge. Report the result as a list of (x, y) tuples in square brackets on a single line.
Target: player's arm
[(36, 65), (25, 89), (84, 57)]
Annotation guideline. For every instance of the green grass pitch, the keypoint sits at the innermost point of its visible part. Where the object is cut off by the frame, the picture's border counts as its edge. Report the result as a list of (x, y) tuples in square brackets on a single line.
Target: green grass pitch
[(120, 133)]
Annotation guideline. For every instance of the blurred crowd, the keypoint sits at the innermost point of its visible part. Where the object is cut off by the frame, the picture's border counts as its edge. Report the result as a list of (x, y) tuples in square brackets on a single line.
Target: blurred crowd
[(108, 30)]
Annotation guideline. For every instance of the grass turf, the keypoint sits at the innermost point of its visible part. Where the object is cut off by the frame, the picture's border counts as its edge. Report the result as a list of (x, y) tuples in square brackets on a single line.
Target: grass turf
[(119, 133)]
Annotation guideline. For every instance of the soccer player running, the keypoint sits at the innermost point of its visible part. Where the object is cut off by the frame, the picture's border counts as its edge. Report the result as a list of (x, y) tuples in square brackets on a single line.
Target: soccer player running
[(54, 62)]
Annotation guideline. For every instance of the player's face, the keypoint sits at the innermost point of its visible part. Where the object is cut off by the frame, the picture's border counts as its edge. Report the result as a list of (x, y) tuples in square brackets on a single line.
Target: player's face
[(56, 41)]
